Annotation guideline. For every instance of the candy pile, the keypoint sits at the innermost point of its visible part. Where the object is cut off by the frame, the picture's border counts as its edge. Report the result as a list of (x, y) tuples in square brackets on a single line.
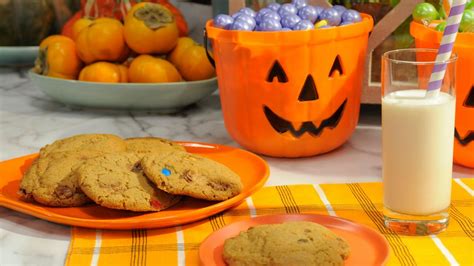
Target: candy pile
[(297, 15), (426, 13)]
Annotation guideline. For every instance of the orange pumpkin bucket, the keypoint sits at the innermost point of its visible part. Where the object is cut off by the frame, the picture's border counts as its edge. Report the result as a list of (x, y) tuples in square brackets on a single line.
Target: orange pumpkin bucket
[(294, 93), (426, 37)]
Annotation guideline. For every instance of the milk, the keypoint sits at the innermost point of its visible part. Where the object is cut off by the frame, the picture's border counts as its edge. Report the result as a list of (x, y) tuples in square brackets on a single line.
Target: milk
[(417, 152)]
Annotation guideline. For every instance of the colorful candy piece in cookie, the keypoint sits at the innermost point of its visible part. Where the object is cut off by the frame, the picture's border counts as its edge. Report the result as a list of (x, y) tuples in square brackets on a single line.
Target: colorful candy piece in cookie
[(189, 174), (151, 144), (166, 172), (116, 181)]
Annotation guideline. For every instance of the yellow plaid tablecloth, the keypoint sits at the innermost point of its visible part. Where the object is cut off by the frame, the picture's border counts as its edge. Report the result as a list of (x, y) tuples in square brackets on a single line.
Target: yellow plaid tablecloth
[(360, 202)]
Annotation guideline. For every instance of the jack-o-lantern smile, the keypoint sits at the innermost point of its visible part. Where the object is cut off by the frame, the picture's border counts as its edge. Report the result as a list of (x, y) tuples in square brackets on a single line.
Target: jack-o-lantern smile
[(282, 125), (468, 138), (309, 92)]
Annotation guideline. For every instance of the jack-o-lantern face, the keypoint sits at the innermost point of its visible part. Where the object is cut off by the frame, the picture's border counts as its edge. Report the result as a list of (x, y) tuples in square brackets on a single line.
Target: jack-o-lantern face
[(291, 94), (469, 136), (308, 93), (464, 131), (288, 109)]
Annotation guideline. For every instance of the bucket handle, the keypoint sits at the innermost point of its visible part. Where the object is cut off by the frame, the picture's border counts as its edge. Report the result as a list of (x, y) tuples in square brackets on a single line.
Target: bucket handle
[(209, 57)]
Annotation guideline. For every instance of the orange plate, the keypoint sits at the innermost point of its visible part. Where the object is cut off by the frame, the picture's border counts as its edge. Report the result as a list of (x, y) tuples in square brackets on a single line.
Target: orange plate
[(252, 170), (368, 247)]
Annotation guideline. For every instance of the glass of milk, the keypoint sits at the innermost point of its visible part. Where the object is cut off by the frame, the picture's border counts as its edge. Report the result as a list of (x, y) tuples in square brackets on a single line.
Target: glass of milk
[(417, 142)]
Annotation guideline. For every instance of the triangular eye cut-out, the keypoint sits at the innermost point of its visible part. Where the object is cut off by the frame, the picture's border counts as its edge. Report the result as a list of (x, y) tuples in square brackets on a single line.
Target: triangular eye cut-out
[(470, 99), (278, 72), (309, 91), (336, 66)]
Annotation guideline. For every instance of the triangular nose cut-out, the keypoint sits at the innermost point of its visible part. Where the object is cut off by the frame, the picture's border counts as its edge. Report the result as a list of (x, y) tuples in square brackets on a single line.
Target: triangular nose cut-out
[(278, 72), (336, 66), (470, 99), (309, 91)]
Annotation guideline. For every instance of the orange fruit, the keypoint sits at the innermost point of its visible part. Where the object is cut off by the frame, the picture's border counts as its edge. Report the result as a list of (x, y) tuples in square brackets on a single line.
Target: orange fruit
[(181, 46), (104, 72), (102, 40), (150, 28), (79, 25), (58, 58), (191, 60), (146, 68)]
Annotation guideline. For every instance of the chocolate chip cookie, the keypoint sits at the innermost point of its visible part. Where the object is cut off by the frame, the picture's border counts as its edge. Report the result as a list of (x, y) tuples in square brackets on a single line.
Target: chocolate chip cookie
[(97, 142), (116, 181), (183, 173), (291, 243), (51, 180), (151, 144)]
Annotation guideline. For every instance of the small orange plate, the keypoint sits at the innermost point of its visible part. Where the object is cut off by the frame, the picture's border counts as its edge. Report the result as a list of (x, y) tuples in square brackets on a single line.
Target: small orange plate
[(368, 247), (253, 172)]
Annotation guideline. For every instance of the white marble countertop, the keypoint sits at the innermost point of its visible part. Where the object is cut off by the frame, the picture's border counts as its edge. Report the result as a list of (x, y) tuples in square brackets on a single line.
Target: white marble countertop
[(29, 120)]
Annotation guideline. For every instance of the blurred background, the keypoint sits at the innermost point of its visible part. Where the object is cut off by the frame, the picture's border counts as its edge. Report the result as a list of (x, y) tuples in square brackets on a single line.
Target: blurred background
[(26, 22)]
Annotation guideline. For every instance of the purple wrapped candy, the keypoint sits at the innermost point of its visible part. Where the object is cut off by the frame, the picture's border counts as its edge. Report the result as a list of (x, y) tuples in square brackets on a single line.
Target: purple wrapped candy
[(248, 19), (269, 25), (241, 25), (320, 9), (325, 27), (299, 3), (287, 9), (331, 16), (285, 29), (345, 23), (350, 16), (340, 9), (290, 21), (274, 6), (271, 15), (223, 21), (310, 13), (304, 25), (236, 14), (260, 14), (248, 11)]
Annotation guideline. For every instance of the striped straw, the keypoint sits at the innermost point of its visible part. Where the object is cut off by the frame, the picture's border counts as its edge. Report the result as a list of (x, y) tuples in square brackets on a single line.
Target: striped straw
[(446, 47)]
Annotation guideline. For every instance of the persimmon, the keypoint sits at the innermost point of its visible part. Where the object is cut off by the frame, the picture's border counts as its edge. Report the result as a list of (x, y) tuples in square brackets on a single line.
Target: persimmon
[(146, 68), (79, 25), (181, 46), (180, 21), (104, 72), (58, 58), (150, 28), (191, 60), (102, 40), (110, 8)]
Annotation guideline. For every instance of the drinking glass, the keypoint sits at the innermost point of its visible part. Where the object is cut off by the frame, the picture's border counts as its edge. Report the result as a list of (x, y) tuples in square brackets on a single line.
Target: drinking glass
[(417, 142)]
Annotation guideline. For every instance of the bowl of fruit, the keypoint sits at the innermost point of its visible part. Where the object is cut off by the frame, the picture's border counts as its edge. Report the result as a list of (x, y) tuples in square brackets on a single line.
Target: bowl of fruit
[(144, 62), (290, 76)]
